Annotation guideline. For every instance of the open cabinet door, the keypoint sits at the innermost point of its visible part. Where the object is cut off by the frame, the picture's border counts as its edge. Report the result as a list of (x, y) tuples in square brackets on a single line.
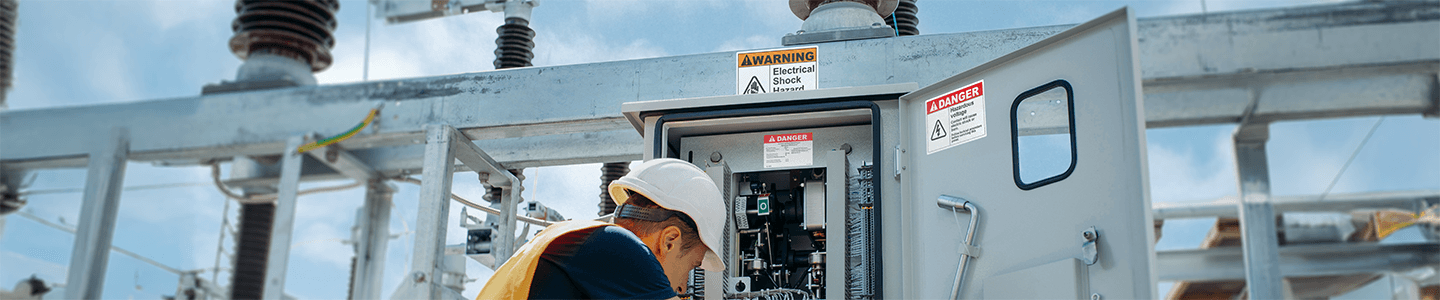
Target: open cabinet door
[(1047, 143)]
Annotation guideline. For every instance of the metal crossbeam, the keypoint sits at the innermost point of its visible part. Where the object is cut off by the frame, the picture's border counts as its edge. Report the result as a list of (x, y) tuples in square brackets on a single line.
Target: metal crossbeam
[(1301, 260), (1197, 69), (1226, 207), (345, 163)]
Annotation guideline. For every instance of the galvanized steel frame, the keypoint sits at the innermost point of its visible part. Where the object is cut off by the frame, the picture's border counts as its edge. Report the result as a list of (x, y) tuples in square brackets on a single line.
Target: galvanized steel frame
[(1197, 69)]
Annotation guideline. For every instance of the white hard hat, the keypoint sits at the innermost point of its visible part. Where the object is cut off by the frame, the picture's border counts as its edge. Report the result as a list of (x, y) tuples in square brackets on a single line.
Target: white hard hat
[(680, 186)]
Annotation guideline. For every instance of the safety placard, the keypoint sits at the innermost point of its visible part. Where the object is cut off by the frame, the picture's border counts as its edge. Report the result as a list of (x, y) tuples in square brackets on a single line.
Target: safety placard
[(775, 71), (789, 150), (955, 118)]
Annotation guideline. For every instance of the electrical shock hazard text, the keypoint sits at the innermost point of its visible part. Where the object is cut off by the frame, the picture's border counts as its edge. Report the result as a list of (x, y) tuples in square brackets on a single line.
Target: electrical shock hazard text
[(789, 150), (776, 71), (955, 118)]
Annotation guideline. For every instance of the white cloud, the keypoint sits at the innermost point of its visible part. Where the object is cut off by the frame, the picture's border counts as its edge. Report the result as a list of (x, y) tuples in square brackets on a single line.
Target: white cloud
[(605, 11), (170, 13), (565, 48), (432, 47), (748, 43), (110, 70), (1180, 175)]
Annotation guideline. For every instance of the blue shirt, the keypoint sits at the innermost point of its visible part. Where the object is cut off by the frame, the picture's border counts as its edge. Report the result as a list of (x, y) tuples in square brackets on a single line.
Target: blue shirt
[(607, 262)]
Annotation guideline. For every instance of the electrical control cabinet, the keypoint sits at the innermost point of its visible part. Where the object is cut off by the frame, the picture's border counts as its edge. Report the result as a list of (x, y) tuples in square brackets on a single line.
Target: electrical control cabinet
[(865, 192)]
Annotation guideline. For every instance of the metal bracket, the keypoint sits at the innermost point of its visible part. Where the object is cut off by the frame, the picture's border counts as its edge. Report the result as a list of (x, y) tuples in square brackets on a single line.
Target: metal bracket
[(343, 162), (1088, 251)]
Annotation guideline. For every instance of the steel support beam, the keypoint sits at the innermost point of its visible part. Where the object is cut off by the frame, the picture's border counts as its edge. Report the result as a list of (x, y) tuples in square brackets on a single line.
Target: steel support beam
[(372, 222), (103, 182), (1257, 214), (1227, 207), (509, 204), (495, 175), (1290, 63), (371, 241), (1226, 263), (434, 211), (281, 233)]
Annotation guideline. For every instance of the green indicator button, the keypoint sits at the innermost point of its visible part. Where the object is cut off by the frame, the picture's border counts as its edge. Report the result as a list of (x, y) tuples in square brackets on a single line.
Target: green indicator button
[(764, 205)]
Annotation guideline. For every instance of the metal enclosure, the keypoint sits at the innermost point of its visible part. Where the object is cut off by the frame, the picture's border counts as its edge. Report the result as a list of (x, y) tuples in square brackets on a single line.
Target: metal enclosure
[(1044, 226), (837, 256), (856, 130), (915, 254)]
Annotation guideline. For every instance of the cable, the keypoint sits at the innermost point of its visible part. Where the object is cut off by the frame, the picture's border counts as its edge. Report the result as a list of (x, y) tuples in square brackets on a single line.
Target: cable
[(1353, 154), (267, 198), (220, 244), (486, 209), (343, 136), (365, 74), (128, 188), (112, 247)]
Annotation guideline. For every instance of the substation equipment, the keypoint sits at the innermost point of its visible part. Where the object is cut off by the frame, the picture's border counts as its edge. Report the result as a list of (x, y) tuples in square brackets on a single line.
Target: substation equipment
[(860, 160)]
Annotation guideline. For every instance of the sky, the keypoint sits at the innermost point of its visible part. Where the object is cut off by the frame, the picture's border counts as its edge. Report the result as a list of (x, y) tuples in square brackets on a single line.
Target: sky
[(73, 53)]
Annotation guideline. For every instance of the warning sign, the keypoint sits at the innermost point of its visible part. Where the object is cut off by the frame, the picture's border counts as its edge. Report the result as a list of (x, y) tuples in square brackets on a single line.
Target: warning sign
[(774, 71), (955, 118), (789, 150)]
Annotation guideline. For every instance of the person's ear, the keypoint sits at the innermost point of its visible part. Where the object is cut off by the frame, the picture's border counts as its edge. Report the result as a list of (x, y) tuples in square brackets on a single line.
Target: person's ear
[(670, 238)]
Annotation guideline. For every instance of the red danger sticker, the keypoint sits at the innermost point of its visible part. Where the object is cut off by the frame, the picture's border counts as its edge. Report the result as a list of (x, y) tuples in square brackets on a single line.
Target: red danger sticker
[(789, 150), (785, 138), (954, 118), (958, 96)]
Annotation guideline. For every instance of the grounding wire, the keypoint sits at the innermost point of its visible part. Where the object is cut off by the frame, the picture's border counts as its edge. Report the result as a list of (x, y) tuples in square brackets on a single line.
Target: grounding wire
[(340, 137), (1353, 154)]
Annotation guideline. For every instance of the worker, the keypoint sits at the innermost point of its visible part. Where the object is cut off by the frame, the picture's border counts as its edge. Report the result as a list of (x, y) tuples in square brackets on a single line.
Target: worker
[(668, 221)]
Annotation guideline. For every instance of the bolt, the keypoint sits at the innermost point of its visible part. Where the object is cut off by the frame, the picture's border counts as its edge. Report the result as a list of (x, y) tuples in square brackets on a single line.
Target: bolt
[(1095, 296), (1089, 235), (715, 157)]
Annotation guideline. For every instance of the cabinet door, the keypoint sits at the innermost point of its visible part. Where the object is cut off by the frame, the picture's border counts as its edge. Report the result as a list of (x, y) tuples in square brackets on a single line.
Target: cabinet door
[(1047, 142)]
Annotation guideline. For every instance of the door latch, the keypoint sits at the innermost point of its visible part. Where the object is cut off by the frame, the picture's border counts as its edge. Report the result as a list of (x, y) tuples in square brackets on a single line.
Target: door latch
[(1088, 251)]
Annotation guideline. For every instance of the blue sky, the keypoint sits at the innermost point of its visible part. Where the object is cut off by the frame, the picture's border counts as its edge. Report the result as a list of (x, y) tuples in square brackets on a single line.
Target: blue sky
[(90, 52)]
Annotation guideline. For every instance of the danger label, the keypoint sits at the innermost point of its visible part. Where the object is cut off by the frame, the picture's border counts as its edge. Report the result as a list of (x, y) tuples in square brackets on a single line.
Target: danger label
[(775, 71), (955, 118), (789, 150)]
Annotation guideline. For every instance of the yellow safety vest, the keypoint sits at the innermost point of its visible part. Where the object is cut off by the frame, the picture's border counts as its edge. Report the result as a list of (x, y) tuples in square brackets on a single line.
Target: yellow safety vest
[(512, 280)]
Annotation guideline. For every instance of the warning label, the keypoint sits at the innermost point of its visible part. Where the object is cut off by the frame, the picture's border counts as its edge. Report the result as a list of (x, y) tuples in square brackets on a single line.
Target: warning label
[(774, 71), (789, 150), (955, 118)]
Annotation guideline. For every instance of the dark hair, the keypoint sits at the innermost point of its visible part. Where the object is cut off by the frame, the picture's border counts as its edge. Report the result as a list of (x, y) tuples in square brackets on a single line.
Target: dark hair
[(643, 228)]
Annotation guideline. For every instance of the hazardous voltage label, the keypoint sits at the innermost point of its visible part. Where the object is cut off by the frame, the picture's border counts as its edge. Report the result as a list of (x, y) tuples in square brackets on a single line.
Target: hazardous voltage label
[(775, 71), (789, 150), (955, 118)]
